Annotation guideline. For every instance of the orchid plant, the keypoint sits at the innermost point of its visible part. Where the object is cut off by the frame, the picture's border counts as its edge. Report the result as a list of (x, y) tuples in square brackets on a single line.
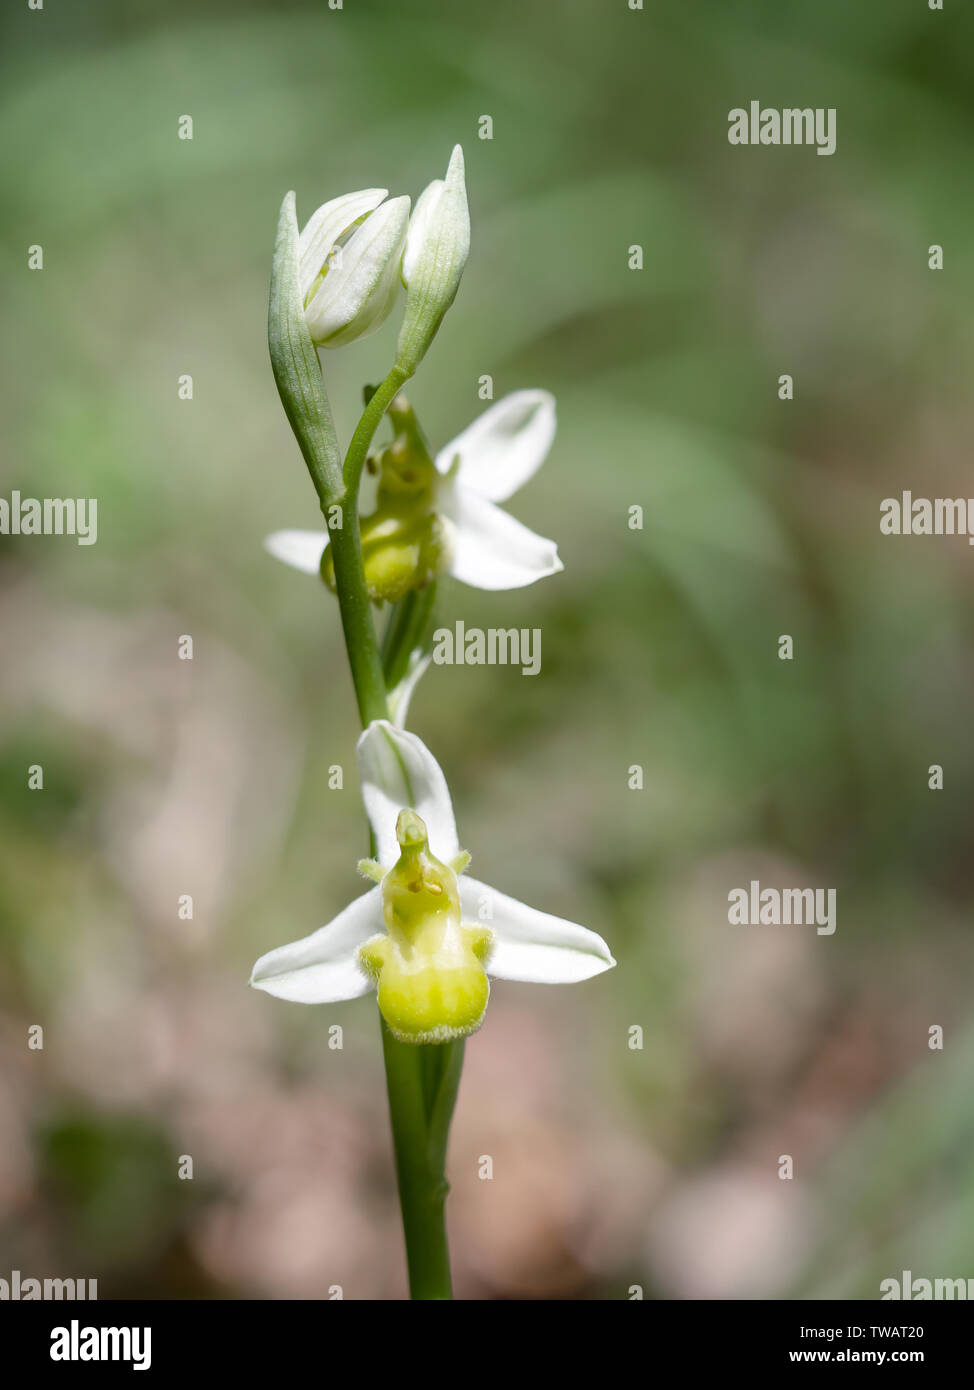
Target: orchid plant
[(426, 936)]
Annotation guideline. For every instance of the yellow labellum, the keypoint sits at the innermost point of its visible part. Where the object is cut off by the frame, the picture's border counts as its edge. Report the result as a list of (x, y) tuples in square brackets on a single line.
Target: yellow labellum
[(429, 967)]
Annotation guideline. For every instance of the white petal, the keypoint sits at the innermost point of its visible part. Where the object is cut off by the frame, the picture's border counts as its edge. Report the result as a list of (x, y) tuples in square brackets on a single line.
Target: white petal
[(325, 226), (357, 295), (399, 771), (505, 446), (323, 968), (490, 549), (302, 550), (530, 945)]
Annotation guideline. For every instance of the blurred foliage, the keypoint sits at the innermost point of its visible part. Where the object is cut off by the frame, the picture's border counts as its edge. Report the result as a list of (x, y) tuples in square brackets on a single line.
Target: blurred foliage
[(659, 646)]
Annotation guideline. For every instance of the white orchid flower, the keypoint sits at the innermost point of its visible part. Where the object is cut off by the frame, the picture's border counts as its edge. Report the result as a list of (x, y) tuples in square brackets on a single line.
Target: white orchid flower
[(427, 936), (348, 289), (478, 543)]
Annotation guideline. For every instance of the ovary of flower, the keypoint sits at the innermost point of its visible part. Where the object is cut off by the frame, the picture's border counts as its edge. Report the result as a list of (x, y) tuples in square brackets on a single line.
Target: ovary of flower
[(405, 541), (479, 543), (419, 936), (428, 966)]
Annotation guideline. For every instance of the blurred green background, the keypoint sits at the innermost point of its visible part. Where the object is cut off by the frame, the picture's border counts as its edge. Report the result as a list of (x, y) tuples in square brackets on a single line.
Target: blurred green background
[(613, 1166)]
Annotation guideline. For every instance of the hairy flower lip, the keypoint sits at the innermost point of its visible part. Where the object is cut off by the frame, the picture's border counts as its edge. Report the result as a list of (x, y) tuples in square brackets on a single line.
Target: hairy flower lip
[(398, 771)]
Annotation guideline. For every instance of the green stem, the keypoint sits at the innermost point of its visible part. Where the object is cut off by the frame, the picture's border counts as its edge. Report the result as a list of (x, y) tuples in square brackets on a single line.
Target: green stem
[(422, 1086), (354, 606), (442, 1067), (421, 1080), (379, 403), (346, 550)]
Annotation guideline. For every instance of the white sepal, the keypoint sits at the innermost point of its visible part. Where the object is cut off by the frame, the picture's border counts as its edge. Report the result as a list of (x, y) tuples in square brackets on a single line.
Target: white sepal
[(302, 550), (530, 945), (490, 550), (399, 772), (505, 446), (323, 967)]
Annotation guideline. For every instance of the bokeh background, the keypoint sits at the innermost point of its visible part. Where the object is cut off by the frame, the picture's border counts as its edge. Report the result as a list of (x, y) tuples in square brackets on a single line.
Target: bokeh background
[(613, 1166)]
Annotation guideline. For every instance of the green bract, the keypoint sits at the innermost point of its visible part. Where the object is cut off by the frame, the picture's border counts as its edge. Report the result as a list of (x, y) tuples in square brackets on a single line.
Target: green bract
[(295, 363)]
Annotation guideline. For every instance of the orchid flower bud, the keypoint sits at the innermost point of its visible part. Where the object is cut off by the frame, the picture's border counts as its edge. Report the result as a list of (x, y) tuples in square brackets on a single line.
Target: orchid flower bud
[(350, 287), (437, 246)]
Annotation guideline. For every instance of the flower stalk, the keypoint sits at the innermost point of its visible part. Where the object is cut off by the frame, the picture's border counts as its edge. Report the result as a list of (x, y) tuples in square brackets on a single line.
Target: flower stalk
[(426, 936), (346, 548), (419, 1087), (422, 1089), (421, 1080)]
